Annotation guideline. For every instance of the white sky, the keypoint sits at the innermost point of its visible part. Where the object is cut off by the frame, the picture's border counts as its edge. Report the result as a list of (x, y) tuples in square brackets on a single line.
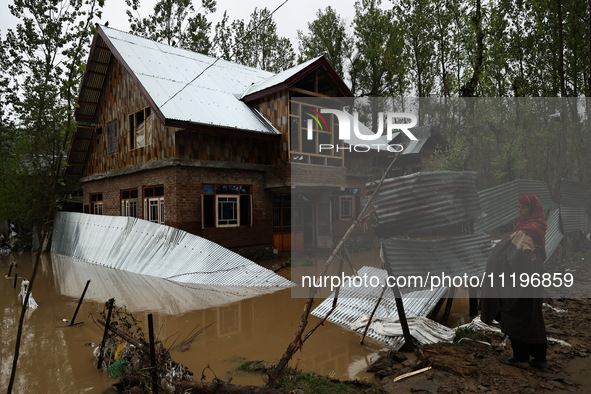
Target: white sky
[(293, 15)]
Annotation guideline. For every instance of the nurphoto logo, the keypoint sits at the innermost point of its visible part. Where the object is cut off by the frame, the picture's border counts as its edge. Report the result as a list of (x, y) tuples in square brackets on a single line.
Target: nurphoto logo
[(350, 130)]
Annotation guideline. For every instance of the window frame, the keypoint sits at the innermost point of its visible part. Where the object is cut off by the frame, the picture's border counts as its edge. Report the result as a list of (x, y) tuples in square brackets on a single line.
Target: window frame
[(128, 202), (224, 191), (146, 124), (158, 196)]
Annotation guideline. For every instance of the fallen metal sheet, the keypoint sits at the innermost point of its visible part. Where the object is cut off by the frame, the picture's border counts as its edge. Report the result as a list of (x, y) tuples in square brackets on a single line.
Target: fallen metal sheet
[(142, 293), (574, 206), (425, 200), (424, 330), (450, 256), (142, 247), (355, 302)]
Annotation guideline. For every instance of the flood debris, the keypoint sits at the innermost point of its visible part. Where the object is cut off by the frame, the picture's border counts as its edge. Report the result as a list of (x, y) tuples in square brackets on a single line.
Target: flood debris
[(32, 304), (143, 365)]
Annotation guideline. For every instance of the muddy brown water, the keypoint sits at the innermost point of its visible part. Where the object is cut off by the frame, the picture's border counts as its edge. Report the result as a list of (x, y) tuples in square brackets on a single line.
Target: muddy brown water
[(55, 358)]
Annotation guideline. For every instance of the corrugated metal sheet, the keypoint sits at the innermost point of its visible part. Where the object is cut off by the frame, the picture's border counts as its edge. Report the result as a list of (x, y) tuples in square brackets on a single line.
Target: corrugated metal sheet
[(499, 203), (574, 206), (168, 75), (449, 256), (554, 233), (147, 248), (356, 302), (141, 292), (426, 200)]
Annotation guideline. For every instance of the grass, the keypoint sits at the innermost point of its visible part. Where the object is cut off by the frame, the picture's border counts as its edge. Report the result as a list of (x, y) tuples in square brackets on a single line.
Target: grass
[(293, 379)]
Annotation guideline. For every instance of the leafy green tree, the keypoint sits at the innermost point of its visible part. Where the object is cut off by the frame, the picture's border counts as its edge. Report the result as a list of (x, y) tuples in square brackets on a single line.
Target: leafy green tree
[(254, 44), (415, 15), (378, 66), (327, 35), (42, 71), (174, 22)]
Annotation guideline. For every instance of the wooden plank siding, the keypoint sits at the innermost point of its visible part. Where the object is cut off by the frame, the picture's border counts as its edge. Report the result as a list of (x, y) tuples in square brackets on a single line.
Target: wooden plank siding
[(275, 108), (121, 98)]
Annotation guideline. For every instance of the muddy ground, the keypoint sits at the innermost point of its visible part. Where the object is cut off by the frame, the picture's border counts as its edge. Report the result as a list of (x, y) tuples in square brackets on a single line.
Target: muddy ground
[(471, 366)]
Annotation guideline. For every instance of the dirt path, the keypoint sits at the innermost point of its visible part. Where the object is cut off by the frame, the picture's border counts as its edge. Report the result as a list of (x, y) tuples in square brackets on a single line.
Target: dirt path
[(471, 366)]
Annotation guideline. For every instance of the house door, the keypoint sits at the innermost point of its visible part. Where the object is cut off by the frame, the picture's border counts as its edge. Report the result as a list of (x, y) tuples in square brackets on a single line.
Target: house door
[(287, 218)]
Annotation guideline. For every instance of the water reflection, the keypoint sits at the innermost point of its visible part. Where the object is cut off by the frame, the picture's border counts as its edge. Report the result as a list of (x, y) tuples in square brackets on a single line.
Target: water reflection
[(142, 292), (55, 358)]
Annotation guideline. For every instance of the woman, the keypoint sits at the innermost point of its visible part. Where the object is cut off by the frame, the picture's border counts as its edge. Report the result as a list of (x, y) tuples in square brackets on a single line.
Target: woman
[(509, 297)]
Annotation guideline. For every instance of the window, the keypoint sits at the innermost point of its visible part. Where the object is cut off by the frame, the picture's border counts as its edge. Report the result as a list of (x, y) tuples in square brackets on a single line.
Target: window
[(304, 118), (226, 205), (129, 202), (99, 148), (154, 204), (346, 207), (140, 128), (346, 204), (112, 139), (96, 203)]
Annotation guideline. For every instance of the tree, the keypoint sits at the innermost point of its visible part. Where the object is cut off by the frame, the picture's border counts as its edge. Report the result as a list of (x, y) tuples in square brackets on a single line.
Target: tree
[(378, 66), (42, 70), (174, 22), (327, 36), (254, 44)]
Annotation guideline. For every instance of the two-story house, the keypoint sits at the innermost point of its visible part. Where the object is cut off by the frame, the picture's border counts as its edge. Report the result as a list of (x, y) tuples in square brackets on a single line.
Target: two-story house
[(206, 145)]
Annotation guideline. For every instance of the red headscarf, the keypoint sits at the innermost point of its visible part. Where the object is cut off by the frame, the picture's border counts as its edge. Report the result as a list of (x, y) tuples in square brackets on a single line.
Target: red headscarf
[(534, 224)]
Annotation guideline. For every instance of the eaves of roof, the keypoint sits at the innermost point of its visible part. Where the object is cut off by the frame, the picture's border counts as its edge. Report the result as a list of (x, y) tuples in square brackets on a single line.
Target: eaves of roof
[(290, 77)]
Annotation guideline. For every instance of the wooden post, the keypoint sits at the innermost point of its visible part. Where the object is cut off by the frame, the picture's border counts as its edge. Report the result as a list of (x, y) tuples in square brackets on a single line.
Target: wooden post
[(152, 354), (450, 300), (106, 333), (15, 278), (373, 313), (79, 303), (10, 269), (473, 301), (399, 306)]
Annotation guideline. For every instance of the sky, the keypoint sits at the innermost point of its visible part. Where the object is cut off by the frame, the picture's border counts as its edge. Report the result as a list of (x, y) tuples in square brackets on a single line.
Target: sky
[(293, 15)]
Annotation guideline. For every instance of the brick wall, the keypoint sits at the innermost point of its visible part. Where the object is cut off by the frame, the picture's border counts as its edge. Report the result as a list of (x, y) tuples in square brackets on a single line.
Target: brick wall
[(182, 200)]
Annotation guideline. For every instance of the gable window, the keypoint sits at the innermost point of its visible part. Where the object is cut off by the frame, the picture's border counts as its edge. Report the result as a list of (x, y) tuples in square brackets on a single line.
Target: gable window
[(96, 203), (140, 128), (226, 205), (154, 204), (129, 200), (112, 139)]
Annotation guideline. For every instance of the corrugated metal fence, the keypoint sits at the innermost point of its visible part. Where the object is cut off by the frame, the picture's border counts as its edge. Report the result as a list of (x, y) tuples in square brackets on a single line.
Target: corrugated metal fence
[(147, 248), (422, 201)]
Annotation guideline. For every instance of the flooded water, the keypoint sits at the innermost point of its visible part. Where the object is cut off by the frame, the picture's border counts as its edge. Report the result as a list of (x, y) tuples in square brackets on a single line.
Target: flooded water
[(56, 358)]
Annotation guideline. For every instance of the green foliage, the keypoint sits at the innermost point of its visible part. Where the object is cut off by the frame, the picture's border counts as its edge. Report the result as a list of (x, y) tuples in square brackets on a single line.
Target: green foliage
[(174, 22), (41, 60), (254, 44), (327, 35)]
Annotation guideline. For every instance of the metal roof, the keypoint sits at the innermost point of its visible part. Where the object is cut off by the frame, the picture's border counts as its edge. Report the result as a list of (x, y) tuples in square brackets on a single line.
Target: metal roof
[(147, 248), (425, 200), (277, 78), (354, 302), (189, 86)]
